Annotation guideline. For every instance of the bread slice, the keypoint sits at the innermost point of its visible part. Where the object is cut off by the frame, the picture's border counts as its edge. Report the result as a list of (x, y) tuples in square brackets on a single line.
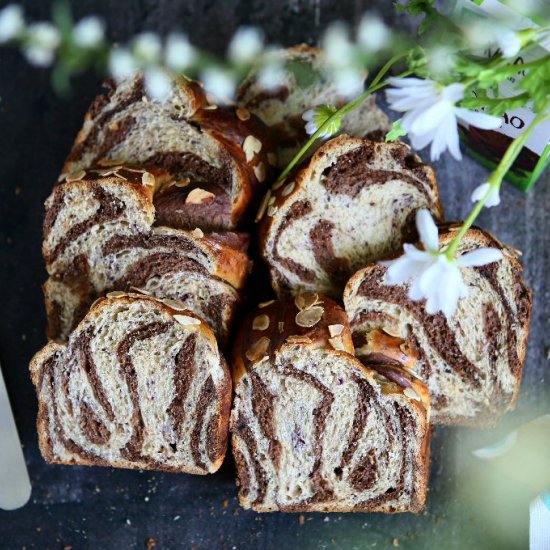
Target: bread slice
[(139, 385), (99, 237), (315, 430), (305, 84), (220, 161), (353, 203), (472, 363)]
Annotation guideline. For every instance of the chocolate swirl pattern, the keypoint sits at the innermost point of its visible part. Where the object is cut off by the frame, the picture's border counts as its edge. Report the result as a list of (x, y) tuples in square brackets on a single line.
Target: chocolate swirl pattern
[(219, 160), (99, 237), (138, 385), (353, 203), (315, 430), (472, 363)]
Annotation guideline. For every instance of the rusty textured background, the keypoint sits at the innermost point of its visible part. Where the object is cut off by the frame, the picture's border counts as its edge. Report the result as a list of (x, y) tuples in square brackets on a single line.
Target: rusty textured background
[(469, 506)]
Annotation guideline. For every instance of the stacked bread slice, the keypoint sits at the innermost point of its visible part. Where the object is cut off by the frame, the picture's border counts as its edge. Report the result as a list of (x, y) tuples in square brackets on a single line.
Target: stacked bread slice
[(140, 384), (99, 236), (472, 362), (315, 430), (354, 202)]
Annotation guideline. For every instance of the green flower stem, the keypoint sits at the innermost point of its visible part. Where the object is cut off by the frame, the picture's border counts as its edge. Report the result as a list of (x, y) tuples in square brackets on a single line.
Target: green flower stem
[(375, 85), (496, 178)]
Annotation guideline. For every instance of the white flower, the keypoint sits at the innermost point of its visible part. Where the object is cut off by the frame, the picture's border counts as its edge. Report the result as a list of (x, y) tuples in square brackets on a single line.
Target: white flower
[(121, 64), (219, 82), (509, 43), (179, 53), (431, 113), (481, 190), (89, 32), (43, 39), (434, 277), (147, 47), (158, 84), (12, 23), (350, 81), (338, 49), (246, 45), (316, 117), (372, 33), (272, 76)]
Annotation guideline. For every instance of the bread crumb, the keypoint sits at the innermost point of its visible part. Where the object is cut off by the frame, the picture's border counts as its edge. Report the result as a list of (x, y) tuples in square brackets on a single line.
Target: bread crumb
[(301, 519), (226, 503), (151, 543), (395, 542)]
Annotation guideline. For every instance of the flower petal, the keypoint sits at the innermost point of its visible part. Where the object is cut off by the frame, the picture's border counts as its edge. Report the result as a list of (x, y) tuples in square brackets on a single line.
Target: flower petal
[(427, 230), (481, 256), (481, 190), (479, 120)]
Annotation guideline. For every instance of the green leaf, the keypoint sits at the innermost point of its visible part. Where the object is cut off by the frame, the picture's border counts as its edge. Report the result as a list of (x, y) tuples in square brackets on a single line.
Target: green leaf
[(396, 131)]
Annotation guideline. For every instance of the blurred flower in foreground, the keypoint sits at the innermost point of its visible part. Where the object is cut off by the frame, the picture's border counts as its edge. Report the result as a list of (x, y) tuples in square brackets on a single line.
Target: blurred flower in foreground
[(246, 45), (121, 64), (89, 32), (158, 84), (219, 82), (373, 34), (315, 118), (432, 113), (42, 41), (12, 23), (179, 53), (434, 276)]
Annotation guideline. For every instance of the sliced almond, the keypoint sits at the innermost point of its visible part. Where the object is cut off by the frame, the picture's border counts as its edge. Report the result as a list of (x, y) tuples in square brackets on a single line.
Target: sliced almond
[(271, 201), (272, 159), (263, 206), (242, 113), (199, 196), (259, 172), (148, 179), (116, 294), (288, 189), (337, 343), (277, 185), (251, 146), (296, 339), (271, 210), (261, 322), (75, 176), (258, 349), (392, 331), (265, 304), (309, 317), (281, 326), (335, 330), (141, 290), (305, 300), (109, 162), (197, 232), (411, 394), (187, 320), (174, 304)]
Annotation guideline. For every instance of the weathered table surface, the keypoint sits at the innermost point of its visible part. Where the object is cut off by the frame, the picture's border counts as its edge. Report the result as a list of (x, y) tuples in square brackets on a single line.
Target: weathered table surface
[(468, 506)]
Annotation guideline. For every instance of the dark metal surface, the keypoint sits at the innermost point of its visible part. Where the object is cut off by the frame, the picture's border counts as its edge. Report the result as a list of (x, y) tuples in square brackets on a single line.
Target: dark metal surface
[(468, 507)]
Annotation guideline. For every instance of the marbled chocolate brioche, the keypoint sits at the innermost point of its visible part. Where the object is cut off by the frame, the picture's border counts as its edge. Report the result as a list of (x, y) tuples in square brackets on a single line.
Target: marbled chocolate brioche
[(99, 236), (353, 203), (315, 430), (138, 385), (282, 108), (472, 363), (218, 160)]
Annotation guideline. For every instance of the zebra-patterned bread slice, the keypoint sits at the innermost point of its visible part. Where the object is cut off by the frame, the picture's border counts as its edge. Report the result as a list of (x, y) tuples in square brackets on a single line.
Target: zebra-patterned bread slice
[(315, 430), (304, 84), (138, 385), (99, 237), (353, 203), (472, 362), (217, 159)]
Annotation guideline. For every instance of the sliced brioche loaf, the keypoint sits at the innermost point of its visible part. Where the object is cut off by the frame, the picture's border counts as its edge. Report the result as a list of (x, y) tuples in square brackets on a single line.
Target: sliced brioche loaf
[(353, 203), (139, 385), (472, 363), (315, 430), (218, 159), (99, 237), (305, 84)]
